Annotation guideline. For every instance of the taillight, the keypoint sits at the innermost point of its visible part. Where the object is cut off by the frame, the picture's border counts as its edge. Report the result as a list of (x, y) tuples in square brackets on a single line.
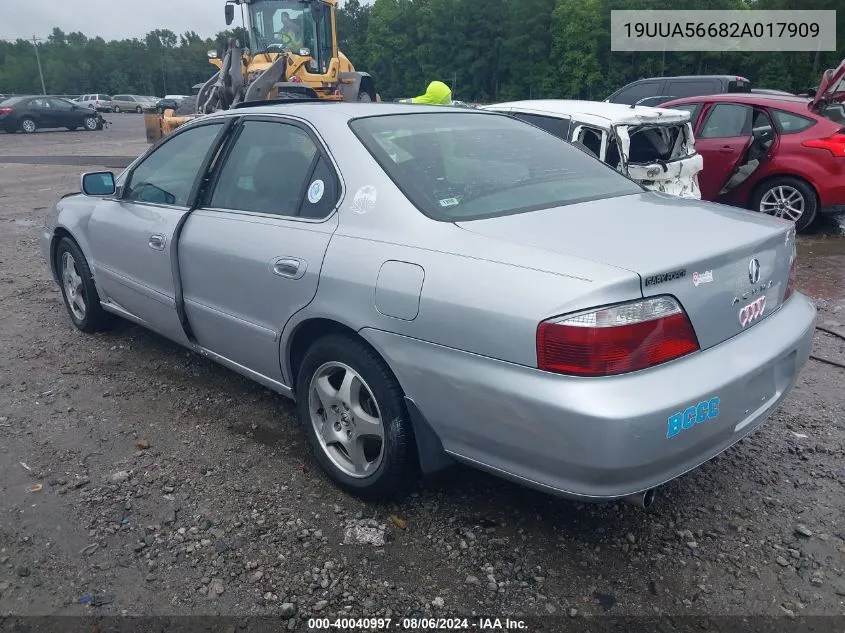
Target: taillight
[(617, 339), (834, 144), (5, 111), (793, 272)]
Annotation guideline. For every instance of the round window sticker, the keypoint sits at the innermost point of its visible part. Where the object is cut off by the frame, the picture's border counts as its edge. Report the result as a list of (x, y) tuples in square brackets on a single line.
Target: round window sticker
[(315, 191)]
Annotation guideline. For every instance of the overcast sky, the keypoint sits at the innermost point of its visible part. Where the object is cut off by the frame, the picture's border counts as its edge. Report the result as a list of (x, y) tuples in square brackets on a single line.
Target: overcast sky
[(110, 19)]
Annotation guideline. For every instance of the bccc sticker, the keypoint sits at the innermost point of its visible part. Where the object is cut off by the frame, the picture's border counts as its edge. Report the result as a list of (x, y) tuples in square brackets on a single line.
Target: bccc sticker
[(698, 414)]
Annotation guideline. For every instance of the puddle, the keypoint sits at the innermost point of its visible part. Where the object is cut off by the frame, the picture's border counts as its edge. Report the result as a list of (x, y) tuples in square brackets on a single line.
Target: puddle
[(821, 269)]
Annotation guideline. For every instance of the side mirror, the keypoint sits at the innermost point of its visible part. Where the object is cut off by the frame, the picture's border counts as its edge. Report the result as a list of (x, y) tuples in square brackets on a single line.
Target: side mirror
[(230, 13), (98, 183)]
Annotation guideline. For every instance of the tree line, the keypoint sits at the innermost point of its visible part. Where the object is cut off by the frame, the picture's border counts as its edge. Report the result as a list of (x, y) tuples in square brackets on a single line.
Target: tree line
[(488, 50)]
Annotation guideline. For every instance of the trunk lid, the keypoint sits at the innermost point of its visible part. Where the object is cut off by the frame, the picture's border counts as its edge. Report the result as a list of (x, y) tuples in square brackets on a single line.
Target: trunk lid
[(719, 262)]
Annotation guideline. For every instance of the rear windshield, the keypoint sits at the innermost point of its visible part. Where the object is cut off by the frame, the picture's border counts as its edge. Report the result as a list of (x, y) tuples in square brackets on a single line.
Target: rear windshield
[(739, 85), (467, 166)]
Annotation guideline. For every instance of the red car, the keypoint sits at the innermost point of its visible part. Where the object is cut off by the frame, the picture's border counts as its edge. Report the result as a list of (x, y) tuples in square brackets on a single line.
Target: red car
[(770, 153)]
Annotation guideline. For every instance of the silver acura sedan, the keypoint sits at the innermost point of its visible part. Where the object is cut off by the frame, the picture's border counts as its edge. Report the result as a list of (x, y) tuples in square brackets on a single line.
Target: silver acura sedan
[(434, 284)]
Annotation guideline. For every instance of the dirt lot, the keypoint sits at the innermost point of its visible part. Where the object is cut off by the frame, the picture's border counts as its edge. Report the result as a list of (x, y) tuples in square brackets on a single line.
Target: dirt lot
[(138, 478)]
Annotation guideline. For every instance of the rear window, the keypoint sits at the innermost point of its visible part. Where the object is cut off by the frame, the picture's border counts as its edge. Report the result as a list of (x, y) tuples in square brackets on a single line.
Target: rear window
[(467, 166), (789, 123), (739, 85)]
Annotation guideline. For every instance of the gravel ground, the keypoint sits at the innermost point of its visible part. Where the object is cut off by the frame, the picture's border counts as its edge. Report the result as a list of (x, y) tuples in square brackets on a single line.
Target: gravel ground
[(138, 478)]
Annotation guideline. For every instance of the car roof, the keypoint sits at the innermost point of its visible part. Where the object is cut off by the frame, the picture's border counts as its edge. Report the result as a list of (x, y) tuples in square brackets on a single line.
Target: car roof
[(727, 77), (597, 112), (325, 110), (783, 101)]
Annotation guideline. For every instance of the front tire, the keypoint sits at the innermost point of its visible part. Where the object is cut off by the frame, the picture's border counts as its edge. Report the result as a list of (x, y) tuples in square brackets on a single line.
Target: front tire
[(139, 110), (28, 125), (78, 289), (364, 97), (789, 198), (91, 123), (116, 109), (352, 409)]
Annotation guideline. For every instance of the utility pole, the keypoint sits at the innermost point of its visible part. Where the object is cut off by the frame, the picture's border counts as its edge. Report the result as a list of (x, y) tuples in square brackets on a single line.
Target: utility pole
[(35, 41)]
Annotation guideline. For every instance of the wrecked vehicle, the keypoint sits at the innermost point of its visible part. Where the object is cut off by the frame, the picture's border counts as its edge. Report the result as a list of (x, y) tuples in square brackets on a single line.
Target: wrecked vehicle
[(653, 146), (776, 154)]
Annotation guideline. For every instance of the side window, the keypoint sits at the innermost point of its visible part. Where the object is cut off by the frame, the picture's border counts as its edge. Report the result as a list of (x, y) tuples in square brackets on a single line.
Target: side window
[(692, 108), (168, 174), (58, 104), (41, 103), (727, 120), (790, 123), (638, 91), (276, 168), (694, 88), (590, 138), (553, 125)]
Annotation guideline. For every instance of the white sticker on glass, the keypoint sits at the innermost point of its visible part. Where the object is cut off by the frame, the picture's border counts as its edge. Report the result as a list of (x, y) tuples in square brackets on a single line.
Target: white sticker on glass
[(365, 199), (315, 191), (449, 202)]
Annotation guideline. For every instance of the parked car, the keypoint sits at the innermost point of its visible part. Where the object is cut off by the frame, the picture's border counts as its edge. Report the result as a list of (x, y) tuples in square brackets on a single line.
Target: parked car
[(170, 102), (661, 89), (770, 91), (775, 154), (99, 102), (128, 103), (654, 147), (435, 284), (31, 113)]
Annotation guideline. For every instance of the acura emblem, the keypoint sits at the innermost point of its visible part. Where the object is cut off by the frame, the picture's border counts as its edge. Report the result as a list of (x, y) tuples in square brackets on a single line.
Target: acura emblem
[(752, 311), (754, 271)]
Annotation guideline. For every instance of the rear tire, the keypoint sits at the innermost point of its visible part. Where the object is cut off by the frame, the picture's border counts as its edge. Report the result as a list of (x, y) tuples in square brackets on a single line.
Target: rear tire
[(78, 290), (364, 97), (139, 109), (348, 424), (28, 125), (789, 198)]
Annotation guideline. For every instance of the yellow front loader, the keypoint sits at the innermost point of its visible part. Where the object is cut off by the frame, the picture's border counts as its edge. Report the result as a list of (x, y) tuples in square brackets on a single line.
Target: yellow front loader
[(292, 54)]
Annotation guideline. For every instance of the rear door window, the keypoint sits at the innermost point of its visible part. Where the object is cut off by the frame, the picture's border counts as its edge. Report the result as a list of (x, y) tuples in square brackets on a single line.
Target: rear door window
[(726, 120), (554, 125), (789, 123)]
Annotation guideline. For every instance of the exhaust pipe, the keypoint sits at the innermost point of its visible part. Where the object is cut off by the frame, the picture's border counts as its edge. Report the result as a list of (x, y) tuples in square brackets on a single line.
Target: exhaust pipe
[(641, 499)]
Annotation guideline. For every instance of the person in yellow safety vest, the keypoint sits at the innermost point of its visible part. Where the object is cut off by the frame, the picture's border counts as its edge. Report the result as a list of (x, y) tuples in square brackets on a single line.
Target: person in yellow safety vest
[(437, 93)]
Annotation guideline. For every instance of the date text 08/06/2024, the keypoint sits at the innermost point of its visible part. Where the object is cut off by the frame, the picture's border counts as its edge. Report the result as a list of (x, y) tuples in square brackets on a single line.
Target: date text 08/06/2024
[(474, 624)]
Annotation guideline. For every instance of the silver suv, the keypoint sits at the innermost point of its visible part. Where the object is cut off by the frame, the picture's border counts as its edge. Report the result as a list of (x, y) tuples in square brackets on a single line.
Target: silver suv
[(99, 102)]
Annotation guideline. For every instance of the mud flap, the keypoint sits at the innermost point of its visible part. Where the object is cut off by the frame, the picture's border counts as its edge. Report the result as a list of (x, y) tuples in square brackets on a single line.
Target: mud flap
[(433, 459)]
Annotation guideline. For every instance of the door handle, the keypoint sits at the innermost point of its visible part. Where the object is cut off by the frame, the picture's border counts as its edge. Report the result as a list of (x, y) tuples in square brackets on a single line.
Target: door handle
[(288, 267), (157, 241), (727, 149)]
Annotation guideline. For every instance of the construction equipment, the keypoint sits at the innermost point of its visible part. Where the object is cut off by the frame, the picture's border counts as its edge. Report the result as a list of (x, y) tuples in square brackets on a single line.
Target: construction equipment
[(293, 53)]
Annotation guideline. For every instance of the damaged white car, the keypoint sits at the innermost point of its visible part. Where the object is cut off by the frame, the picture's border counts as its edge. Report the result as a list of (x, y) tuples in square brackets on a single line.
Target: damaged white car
[(653, 146)]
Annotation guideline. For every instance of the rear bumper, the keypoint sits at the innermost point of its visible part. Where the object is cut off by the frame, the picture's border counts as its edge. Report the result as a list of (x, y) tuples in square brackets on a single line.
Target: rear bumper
[(602, 439)]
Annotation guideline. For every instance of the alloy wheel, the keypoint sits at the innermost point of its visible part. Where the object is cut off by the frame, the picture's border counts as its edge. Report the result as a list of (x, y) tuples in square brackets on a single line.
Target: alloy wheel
[(91, 123), (28, 125), (346, 419), (72, 282), (783, 201)]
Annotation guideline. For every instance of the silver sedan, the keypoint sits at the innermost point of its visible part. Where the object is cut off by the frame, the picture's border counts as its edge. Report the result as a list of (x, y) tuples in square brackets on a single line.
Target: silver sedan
[(435, 285)]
